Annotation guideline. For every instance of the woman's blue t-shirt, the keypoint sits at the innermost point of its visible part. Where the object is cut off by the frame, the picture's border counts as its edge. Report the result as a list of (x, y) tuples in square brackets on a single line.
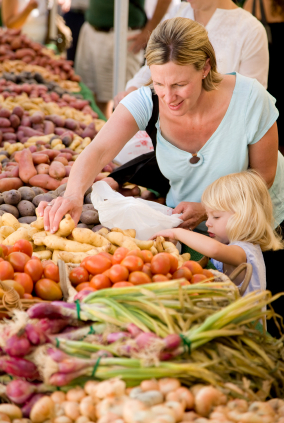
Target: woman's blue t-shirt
[(250, 115)]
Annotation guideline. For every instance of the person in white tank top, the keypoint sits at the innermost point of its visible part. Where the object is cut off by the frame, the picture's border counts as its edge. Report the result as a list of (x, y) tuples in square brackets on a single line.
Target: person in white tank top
[(28, 15)]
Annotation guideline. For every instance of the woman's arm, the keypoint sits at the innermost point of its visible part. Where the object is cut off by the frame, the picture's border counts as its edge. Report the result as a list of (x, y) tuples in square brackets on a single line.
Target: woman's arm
[(232, 255), (119, 129), (263, 155), (10, 15)]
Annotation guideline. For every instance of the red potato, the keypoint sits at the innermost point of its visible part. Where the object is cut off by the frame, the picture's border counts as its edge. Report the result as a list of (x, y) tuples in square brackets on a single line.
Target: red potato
[(70, 163), (8, 136), (42, 169), (64, 181), (62, 160), (39, 158), (48, 127), (26, 166), (18, 111), (15, 121), (4, 122), (50, 153), (22, 52), (7, 130), (45, 182), (7, 184), (67, 156), (26, 121), (29, 132), (37, 117), (68, 170), (57, 170)]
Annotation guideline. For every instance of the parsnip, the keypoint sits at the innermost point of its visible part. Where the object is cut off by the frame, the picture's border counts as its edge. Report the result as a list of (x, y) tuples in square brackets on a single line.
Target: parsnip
[(38, 237), (75, 258), (66, 226), (43, 255), (143, 245), (54, 242), (5, 231), (87, 236), (9, 220), (21, 233), (126, 232), (38, 224), (121, 240)]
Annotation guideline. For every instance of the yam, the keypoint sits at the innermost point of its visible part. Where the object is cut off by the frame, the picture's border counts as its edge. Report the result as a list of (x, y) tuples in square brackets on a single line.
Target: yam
[(38, 223), (26, 193), (57, 170), (42, 168), (90, 217), (121, 240), (43, 197), (44, 181), (26, 208), (27, 219), (54, 242), (126, 232), (10, 209), (76, 258), (21, 233), (26, 166), (38, 238), (87, 236), (12, 197), (7, 184)]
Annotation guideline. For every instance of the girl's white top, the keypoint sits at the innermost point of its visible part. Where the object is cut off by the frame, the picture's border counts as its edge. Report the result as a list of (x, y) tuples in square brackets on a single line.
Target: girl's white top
[(239, 40), (35, 26), (255, 258)]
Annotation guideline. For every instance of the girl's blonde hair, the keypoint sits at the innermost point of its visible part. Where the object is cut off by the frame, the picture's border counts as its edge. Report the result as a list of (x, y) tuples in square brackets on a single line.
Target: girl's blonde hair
[(184, 42), (245, 194)]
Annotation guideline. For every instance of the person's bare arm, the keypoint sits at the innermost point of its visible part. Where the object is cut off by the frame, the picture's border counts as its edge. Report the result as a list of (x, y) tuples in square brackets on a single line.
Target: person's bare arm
[(120, 128), (263, 155), (139, 41), (11, 17), (232, 255)]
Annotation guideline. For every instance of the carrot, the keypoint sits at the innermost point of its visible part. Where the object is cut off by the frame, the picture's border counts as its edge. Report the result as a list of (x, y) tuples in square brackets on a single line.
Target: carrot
[(26, 166), (44, 181), (7, 184)]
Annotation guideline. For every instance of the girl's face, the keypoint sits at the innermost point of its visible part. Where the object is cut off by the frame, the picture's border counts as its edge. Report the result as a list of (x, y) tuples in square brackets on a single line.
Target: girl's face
[(178, 87), (217, 223)]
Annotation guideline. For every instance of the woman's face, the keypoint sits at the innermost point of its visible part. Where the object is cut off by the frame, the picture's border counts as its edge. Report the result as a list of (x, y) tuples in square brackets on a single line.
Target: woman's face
[(178, 87)]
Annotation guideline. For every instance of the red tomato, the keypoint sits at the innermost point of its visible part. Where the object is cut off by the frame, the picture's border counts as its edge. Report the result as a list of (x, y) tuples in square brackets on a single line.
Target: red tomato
[(51, 271), (193, 266), (119, 255), (83, 262), (174, 263), (23, 246), (4, 250), (147, 270), (122, 284), (17, 287), (6, 271), (18, 261), (133, 263), (9, 250), (100, 282), (45, 262), (36, 258), (47, 289), (137, 253), (161, 264), (34, 269), (78, 275), (82, 286), (183, 272), (147, 256), (198, 278), (118, 273), (159, 278), (24, 280), (106, 273), (97, 264), (107, 255), (207, 273), (1, 259), (28, 296), (139, 278)]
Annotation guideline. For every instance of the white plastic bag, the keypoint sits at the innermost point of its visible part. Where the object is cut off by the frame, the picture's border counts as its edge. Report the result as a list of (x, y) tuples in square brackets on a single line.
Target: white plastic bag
[(146, 217), (140, 144)]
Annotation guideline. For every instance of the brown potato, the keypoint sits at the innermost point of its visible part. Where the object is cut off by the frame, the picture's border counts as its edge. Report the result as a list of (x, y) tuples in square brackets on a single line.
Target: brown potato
[(90, 217), (12, 197), (26, 208), (27, 193), (7, 208)]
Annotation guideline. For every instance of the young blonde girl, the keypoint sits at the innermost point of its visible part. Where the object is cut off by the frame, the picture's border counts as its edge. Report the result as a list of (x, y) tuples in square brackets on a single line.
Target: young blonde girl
[(240, 226)]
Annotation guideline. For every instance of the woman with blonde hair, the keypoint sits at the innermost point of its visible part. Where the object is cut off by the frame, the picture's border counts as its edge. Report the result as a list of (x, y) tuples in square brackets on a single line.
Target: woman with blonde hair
[(208, 125), (240, 223)]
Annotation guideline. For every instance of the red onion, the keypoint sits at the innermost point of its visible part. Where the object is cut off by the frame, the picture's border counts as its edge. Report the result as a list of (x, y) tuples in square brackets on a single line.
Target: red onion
[(133, 330), (35, 334), (26, 409), (20, 391), (61, 379), (172, 342), (19, 367), (83, 293), (57, 355), (18, 346), (116, 336), (144, 339)]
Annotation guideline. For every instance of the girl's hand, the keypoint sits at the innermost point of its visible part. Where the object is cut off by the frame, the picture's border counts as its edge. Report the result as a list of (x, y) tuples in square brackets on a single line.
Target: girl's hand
[(192, 214), (167, 233), (54, 212)]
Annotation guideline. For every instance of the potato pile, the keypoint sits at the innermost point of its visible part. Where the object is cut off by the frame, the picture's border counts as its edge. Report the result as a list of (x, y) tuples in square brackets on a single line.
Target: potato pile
[(17, 46), (48, 91)]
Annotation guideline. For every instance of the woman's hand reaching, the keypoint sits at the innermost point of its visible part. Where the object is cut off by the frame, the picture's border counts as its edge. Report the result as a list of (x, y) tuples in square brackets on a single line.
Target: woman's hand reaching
[(166, 233), (192, 214)]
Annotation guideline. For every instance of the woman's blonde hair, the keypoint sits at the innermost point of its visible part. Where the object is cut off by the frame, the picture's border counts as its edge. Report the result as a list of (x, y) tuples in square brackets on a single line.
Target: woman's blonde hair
[(245, 194), (184, 42)]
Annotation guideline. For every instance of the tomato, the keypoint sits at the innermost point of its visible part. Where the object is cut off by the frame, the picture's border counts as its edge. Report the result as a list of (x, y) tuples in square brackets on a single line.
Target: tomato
[(169, 276), (23, 246), (6, 271), (174, 263), (198, 278), (119, 255), (183, 272), (36, 258), (18, 261), (4, 250), (97, 264), (137, 253), (118, 273), (84, 285), (100, 282), (1, 259), (133, 263), (24, 280), (161, 264), (106, 273), (159, 278), (51, 271), (34, 269), (28, 296), (17, 287), (139, 278), (107, 255), (47, 289), (147, 256), (9, 250), (45, 262), (78, 275), (1, 252), (122, 284), (83, 262), (193, 266), (207, 273), (147, 270)]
